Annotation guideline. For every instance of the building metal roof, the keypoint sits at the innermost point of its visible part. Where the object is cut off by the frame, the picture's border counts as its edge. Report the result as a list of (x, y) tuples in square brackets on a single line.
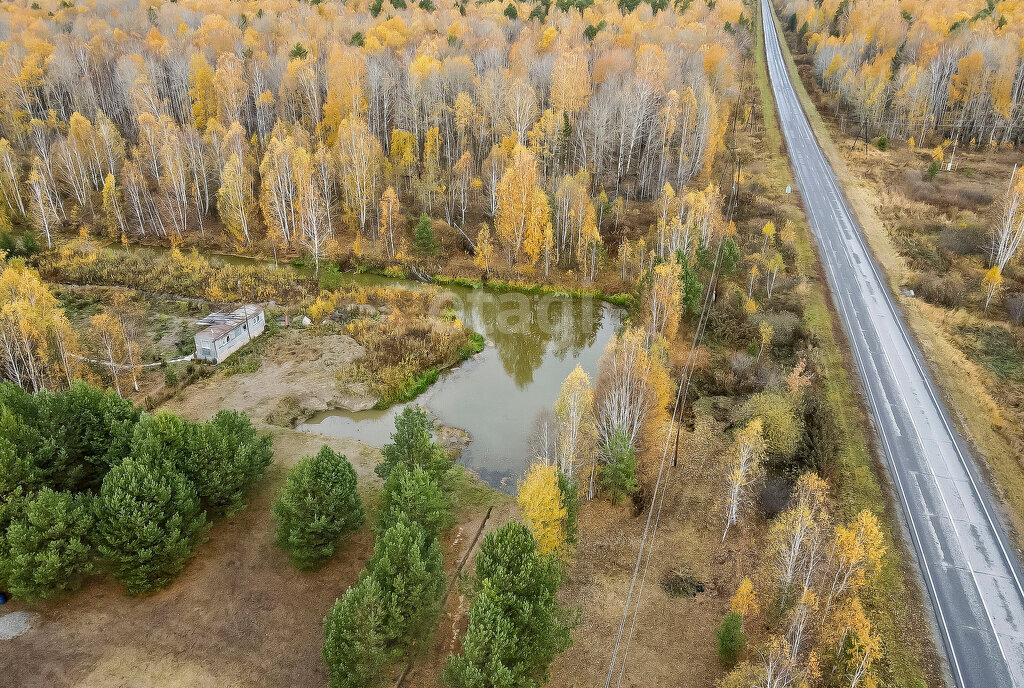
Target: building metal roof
[(222, 322)]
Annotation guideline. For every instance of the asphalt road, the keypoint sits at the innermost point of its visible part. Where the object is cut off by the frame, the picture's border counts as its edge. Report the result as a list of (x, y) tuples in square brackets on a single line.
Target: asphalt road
[(969, 567)]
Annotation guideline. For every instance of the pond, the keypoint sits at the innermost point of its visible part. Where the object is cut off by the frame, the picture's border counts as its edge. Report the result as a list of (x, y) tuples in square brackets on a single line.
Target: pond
[(533, 343)]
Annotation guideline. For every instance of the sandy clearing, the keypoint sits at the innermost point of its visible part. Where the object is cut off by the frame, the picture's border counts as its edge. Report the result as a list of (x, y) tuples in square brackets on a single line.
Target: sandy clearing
[(296, 378)]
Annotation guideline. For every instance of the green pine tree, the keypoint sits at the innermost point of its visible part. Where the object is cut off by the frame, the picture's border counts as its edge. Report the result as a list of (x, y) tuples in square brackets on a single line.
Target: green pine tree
[(355, 649), (87, 431), (490, 649), (414, 495), (71, 438), (48, 548), (318, 506), (223, 457), (148, 523), (227, 456), (618, 475), (412, 444), (730, 638), (730, 256), (692, 287), (515, 625), (569, 489), (408, 565), (12, 507), (425, 242), (163, 437)]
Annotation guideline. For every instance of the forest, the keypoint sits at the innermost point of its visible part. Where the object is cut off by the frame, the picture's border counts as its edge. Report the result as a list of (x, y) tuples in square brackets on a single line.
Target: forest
[(161, 160), (920, 69), (295, 127)]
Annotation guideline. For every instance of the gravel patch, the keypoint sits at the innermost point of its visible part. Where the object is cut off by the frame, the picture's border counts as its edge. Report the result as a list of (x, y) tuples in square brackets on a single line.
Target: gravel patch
[(14, 624)]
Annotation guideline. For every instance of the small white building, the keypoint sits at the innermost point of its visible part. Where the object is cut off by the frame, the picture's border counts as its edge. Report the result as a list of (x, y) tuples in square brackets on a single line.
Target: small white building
[(227, 332)]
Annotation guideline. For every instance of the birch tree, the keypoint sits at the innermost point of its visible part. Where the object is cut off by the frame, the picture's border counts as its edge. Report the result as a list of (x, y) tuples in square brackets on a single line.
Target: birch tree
[(577, 428), (745, 467), (1009, 233), (235, 202)]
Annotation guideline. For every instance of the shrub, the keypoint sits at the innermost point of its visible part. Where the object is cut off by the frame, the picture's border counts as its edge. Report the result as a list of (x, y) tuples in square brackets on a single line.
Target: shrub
[(414, 495), (820, 445), (170, 377), (1000, 351), (964, 240), (681, 582), (948, 290), (331, 277), (317, 507), (883, 143), (618, 475), (29, 244), (180, 272), (1015, 308), (933, 170), (783, 425), (730, 638), (148, 523), (48, 548), (786, 326)]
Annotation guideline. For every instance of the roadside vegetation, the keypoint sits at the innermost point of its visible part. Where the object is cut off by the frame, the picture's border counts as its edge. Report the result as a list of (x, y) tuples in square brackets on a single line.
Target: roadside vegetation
[(940, 200), (890, 598)]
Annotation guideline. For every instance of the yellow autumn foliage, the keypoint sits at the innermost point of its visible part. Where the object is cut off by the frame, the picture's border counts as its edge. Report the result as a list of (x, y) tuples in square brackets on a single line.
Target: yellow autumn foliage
[(540, 502)]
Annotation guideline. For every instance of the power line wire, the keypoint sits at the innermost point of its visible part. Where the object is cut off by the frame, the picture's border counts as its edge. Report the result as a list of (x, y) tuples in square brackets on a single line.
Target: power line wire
[(660, 486)]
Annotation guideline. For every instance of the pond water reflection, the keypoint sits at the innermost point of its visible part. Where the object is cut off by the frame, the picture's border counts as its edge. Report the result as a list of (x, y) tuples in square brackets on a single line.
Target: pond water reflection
[(533, 342)]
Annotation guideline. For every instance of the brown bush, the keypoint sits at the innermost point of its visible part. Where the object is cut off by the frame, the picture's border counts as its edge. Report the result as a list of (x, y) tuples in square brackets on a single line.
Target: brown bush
[(1015, 308), (944, 196), (948, 290), (964, 241)]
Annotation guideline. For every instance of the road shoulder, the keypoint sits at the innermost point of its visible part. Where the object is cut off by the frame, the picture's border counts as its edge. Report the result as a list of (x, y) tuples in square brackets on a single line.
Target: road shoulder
[(961, 384), (896, 601)]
